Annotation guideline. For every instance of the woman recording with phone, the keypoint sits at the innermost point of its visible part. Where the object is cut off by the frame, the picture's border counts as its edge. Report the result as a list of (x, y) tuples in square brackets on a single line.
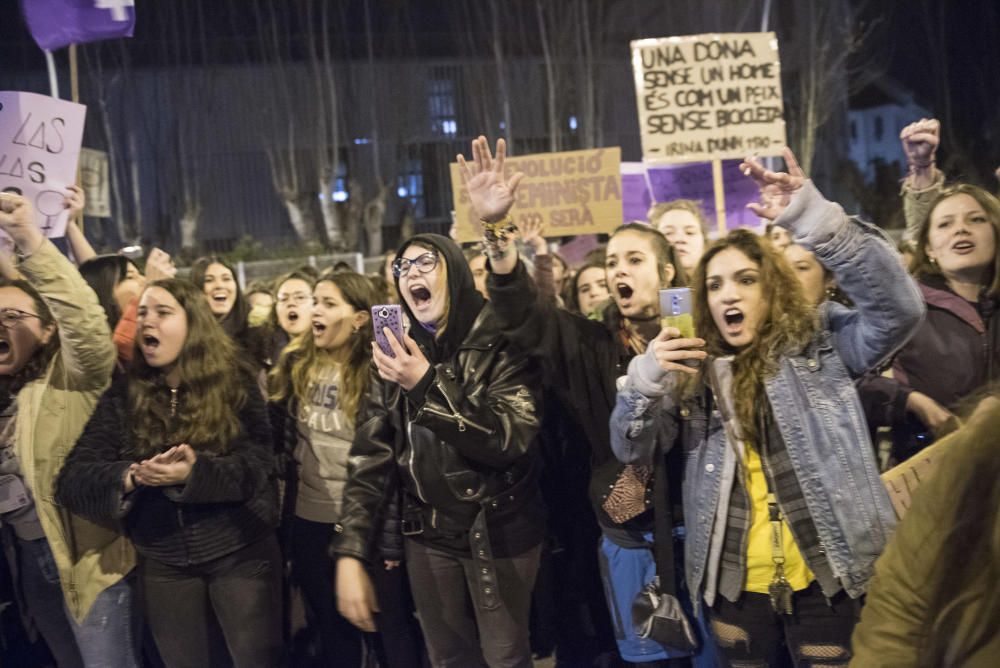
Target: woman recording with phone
[(450, 417), (784, 509)]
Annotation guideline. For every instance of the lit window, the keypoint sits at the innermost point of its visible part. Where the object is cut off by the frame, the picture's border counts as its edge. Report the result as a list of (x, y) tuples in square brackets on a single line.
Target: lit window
[(441, 105)]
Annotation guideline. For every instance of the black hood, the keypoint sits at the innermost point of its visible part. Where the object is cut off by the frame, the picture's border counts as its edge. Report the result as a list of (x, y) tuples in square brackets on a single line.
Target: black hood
[(464, 301)]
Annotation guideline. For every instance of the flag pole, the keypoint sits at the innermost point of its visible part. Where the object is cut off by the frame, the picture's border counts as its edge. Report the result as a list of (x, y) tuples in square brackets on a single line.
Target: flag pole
[(53, 77)]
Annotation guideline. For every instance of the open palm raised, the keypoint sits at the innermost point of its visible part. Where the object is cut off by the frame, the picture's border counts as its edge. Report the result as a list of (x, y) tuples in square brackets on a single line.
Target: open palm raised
[(776, 188), (491, 196)]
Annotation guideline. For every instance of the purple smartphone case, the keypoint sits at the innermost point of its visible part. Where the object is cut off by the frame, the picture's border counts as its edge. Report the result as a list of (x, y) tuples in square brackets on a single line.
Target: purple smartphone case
[(391, 316)]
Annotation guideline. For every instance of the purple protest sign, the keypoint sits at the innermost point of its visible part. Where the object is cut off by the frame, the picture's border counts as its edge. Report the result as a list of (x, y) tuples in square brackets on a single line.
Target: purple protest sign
[(58, 23), (636, 198), (40, 140), (694, 181)]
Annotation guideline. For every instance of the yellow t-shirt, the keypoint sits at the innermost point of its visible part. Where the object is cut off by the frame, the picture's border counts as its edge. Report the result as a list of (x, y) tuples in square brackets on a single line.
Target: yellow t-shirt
[(760, 564)]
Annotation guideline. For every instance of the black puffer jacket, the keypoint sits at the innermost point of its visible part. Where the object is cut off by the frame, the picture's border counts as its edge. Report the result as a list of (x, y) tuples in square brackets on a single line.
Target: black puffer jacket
[(228, 502)]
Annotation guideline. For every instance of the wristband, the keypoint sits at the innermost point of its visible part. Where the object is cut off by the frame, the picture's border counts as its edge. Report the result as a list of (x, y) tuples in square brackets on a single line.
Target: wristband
[(497, 236)]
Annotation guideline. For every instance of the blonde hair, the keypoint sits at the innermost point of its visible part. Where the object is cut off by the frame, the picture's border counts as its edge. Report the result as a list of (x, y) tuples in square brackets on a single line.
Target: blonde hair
[(301, 360)]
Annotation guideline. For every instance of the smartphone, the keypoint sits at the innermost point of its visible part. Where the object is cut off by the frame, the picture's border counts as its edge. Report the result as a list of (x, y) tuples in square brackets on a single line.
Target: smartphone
[(676, 310), (391, 316)]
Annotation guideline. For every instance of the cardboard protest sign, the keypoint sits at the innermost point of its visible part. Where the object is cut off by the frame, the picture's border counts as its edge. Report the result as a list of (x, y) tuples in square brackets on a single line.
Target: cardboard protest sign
[(709, 97), (643, 184), (902, 480), (574, 192), (40, 140), (94, 179)]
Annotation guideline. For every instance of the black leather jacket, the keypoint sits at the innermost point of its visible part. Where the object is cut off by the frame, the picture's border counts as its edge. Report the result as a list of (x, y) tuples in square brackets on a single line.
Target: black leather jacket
[(463, 445)]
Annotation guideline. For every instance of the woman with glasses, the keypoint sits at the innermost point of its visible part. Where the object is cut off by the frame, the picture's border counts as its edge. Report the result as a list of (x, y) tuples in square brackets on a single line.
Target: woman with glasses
[(450, 417), (56, 357)]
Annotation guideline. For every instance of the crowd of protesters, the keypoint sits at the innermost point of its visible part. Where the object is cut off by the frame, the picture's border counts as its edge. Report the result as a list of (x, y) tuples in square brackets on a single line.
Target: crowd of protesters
[(194, 473)]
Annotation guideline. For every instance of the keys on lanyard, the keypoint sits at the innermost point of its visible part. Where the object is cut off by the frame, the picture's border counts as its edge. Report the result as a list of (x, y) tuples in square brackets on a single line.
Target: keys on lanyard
[(779, 590)]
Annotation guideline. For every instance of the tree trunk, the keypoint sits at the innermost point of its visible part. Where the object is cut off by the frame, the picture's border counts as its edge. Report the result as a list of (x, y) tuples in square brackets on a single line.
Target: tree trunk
[(374, 219), (297, 216), (332, 220), (189, 227)]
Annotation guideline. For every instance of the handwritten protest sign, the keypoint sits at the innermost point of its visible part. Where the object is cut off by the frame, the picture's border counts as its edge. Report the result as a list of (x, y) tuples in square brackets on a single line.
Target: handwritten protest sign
[(40, 140), (574, 192), (94, 179), (709, 97)]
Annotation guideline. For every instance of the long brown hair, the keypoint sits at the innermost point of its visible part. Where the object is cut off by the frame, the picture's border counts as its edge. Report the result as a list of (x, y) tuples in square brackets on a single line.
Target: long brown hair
[(922, 265), (301, 360), (235, 322), (788, 324), (213, 384)]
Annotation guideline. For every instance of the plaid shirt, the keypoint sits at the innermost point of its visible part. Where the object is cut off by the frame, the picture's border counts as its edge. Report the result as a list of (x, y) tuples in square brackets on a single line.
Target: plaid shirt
[(781, 476)]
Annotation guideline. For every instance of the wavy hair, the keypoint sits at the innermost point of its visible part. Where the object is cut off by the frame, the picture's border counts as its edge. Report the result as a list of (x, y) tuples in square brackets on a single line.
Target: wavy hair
[(301, 360), (922, 265), (788, 325), (213, 383)]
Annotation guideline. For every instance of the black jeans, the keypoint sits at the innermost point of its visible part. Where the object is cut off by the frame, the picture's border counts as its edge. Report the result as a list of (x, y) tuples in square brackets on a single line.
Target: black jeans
[(339, 643), (749, 634), (197, 613), (402, 644), (459, 632)]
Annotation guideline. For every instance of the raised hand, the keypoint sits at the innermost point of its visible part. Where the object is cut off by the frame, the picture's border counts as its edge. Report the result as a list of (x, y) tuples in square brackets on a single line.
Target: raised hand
[(75, 200), (17, 219), (491, 193), (533, 234), (920, 142), (159, 266), (776, 188)]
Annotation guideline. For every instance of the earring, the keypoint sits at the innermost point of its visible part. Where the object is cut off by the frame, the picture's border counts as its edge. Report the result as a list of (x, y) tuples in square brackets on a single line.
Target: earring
[(933, 261)]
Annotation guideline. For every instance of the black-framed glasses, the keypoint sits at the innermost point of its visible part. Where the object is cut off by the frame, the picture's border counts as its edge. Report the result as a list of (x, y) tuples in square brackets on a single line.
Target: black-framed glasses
[(9, 317), (424, 263)]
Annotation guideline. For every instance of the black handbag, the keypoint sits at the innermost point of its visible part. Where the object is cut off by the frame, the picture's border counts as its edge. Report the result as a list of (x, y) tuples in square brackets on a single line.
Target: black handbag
[(656, 611)]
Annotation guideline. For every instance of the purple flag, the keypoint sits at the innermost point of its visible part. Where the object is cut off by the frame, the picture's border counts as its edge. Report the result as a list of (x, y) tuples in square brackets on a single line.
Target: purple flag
[(58, 23)]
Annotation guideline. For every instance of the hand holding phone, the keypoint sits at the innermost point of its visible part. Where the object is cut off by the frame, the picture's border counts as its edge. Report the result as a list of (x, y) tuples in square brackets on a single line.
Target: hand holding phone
[(387, 316), (676, 310)]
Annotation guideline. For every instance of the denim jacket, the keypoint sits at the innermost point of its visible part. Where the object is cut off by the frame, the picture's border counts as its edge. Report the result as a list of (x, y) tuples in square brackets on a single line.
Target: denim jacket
[(815, 406)]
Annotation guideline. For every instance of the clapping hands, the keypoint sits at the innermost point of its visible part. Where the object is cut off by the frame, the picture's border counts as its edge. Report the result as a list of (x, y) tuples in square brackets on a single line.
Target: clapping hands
[(172, 467)]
